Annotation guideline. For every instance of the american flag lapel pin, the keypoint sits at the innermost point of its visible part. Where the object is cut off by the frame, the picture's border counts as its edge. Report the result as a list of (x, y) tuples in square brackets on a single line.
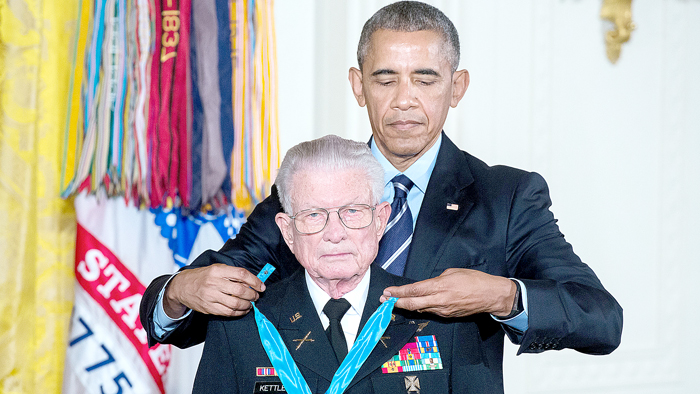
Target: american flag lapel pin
[(452, 207)]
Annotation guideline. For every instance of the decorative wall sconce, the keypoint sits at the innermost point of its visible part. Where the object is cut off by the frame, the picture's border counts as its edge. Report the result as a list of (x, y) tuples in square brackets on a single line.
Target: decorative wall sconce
[(619, 12)]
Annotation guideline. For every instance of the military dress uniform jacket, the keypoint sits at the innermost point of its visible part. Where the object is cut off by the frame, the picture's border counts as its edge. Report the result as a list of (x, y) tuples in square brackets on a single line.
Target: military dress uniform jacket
[(233, 355), (498, 222)]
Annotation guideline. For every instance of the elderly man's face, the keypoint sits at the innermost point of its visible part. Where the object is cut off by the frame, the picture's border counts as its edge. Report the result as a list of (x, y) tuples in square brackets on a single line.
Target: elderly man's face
[(408, 87), (337, 252)]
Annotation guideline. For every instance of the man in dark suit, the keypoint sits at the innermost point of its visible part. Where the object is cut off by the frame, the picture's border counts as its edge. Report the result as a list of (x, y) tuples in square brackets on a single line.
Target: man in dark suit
[(336, 252), (484, 241)]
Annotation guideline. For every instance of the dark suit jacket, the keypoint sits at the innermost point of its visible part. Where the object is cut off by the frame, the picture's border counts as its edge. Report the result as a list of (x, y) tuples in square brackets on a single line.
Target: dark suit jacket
[(233, 351), (503, 226)]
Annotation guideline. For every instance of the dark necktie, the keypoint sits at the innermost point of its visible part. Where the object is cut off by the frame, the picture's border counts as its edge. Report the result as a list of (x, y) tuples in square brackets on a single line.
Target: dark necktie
[(334, 310), (393, 247)]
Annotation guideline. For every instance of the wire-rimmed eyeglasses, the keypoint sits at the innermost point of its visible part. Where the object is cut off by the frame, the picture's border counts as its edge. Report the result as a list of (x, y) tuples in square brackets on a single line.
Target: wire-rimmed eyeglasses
[(354, 216)]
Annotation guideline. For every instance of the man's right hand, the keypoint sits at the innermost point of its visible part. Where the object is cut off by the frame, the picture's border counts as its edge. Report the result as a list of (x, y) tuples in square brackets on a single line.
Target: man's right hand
[(217, 289)]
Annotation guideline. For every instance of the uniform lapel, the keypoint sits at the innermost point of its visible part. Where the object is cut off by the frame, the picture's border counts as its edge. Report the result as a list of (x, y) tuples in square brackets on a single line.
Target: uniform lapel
[(436, 222), (297, 318), (397, 334)]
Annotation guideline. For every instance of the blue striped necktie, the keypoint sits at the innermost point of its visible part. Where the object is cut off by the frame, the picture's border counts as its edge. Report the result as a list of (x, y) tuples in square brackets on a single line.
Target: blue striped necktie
[(393, 247)]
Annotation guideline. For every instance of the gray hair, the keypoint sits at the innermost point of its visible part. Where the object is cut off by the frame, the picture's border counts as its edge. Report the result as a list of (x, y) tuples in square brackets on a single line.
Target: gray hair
[(329, 153), (410, 16)]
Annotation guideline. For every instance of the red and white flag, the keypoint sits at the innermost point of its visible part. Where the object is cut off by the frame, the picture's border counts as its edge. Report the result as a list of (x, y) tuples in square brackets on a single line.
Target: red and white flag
[(119, 250)]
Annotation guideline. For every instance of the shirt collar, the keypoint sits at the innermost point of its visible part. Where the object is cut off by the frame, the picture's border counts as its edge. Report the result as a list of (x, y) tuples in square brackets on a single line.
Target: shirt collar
[(356, 297), (419, 172)]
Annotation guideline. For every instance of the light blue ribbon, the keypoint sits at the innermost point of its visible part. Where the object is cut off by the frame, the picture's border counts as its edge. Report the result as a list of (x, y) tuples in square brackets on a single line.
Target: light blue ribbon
[(279, 356), (363, 346), (286, 368)]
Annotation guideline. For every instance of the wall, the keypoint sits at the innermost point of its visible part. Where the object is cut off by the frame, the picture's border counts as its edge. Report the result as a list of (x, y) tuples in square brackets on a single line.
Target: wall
[(618, 145)]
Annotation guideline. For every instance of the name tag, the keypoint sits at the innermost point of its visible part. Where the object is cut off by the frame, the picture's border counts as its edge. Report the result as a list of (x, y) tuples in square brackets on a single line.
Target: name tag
[(269, 387)]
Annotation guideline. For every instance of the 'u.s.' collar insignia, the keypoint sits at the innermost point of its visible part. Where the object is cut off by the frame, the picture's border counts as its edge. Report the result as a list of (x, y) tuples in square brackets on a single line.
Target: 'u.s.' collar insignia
[(412, 384), (296, 317), (302, 340), (393, 317)]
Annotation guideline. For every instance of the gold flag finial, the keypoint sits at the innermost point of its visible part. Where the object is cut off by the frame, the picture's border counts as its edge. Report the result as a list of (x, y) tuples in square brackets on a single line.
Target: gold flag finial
[(619, 12)]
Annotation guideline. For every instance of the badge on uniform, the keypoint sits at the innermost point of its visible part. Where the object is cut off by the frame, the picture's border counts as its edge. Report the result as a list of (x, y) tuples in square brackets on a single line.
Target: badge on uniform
[(422, 354), (268, 387), (412, 384), (302, 340), (265, 371)]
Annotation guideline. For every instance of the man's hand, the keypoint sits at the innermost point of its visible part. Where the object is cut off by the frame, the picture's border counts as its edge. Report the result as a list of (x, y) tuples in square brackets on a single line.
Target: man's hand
[(218, 289), (456, 292)]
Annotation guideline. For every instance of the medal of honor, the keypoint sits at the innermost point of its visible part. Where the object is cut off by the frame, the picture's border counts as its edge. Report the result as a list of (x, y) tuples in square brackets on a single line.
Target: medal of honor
[(287, 369)]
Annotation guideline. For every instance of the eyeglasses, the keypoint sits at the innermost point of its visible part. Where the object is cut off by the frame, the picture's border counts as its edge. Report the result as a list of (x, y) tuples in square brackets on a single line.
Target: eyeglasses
[(354, 216)]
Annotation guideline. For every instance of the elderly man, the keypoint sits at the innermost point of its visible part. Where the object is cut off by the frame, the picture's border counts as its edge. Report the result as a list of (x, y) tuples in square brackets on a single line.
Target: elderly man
[(331, 189), (481, 240)]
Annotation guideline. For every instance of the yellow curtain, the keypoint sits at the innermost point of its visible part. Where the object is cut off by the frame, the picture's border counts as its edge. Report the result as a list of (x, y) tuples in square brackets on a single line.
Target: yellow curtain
[(37, 228)]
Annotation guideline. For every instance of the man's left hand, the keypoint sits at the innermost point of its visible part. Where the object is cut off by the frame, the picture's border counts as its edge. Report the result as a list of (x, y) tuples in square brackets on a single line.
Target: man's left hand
[(456, 292)]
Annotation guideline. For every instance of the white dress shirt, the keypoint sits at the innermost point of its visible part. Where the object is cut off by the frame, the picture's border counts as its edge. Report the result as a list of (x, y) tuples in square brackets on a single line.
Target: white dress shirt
[(351, 319)]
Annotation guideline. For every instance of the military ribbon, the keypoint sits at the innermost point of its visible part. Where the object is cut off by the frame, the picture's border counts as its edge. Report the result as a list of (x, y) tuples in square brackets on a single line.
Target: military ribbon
[(279, 356), (286, 368)]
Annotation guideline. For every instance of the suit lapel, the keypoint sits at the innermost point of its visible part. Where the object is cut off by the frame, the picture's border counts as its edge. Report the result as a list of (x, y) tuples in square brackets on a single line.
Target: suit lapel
[(302, 331), (436, 223)]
